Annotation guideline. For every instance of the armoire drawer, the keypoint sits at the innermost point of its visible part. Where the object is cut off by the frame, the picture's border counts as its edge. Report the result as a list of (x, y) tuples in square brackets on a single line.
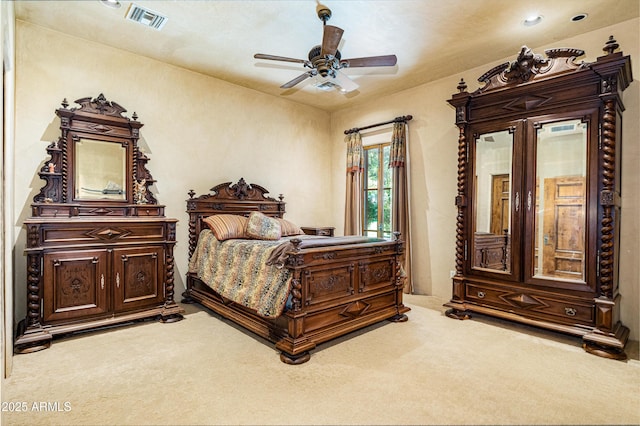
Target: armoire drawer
[(485, 295), (531, 304), (566, 311)]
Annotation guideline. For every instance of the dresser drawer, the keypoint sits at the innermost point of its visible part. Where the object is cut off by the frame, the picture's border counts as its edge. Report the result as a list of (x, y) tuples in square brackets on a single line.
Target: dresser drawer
[(101, 232), (150, 210)]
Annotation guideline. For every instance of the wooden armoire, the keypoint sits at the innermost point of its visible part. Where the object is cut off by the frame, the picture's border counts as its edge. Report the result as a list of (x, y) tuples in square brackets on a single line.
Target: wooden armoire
[(99, 248), (538, 202)]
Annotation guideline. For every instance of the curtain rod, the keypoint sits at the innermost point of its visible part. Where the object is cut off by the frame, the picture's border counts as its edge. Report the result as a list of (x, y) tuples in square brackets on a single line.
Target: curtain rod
[(402, 119)]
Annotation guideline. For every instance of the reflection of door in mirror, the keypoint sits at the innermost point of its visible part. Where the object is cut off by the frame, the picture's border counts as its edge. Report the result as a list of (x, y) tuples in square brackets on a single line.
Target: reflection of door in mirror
[(500, 204), (560, 194), (563, 233), (492, 222), (100, 170)]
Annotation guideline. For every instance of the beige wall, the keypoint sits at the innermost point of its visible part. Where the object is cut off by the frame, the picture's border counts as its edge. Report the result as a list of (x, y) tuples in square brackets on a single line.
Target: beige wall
[(433, 155), (198, 131)]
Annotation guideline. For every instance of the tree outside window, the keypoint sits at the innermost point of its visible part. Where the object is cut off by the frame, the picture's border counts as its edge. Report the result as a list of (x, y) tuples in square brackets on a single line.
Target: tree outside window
[(377, 191)]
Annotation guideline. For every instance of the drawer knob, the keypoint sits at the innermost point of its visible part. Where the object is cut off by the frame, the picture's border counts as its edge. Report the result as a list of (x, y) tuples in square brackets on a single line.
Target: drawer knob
[(481, 294), (570, 311)]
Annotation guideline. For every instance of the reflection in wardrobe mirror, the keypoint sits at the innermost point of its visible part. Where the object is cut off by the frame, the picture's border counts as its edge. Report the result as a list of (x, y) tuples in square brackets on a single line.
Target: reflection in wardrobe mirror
[(492, 224), (561, 168)]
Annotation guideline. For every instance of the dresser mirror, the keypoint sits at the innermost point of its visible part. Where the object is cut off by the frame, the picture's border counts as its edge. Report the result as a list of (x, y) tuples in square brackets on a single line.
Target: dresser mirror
[(494, 152), (100, 170), (96, 167)]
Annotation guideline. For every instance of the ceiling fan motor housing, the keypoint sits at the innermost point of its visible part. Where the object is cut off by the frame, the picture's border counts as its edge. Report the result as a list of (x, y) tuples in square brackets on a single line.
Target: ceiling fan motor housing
[(324, 65)]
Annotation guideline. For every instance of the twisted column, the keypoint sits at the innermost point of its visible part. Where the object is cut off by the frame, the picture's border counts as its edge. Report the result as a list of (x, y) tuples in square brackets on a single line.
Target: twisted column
[(607, 199)]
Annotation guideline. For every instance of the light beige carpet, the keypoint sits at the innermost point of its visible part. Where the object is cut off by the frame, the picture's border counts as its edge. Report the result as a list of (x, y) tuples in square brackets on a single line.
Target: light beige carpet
[(429, 370)]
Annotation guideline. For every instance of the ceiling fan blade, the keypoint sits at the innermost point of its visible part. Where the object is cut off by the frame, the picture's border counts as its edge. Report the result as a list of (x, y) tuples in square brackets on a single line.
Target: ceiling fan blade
[(298, 79), (370, 61), (345, 83), (330, 40), (279, 58)]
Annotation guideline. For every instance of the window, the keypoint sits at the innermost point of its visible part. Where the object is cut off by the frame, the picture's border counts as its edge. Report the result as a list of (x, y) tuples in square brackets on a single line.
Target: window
[(377, 191)]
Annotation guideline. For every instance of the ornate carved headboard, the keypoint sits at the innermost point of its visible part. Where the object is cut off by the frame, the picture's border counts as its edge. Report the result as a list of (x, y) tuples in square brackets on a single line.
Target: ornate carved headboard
[(239, 198)]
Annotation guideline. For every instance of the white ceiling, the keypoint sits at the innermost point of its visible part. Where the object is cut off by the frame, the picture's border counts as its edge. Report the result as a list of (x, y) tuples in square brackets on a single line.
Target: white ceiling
[(431, 38)]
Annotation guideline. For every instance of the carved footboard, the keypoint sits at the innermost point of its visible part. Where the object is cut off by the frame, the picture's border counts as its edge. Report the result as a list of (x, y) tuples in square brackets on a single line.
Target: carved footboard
[(337, 290)]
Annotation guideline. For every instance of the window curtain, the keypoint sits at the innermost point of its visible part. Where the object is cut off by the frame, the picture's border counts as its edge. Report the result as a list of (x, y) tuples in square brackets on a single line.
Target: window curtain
[(353, 204), (398, 161)]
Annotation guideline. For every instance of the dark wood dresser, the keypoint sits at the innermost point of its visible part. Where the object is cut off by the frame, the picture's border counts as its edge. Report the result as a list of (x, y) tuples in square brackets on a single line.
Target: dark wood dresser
[(99, 248)]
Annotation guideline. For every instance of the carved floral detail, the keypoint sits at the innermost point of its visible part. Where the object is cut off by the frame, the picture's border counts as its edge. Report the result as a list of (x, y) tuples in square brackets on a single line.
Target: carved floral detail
[(326, 256), (376, 274), (527, 64), (241, 189), (100, 105), (329, 283)]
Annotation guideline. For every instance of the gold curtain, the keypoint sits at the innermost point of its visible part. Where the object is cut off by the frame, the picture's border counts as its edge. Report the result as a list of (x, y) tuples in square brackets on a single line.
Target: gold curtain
[(353, 204), (400, 207)]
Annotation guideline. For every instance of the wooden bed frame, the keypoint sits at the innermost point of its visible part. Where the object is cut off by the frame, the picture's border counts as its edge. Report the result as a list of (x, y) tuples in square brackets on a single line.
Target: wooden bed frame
[(335, 289)]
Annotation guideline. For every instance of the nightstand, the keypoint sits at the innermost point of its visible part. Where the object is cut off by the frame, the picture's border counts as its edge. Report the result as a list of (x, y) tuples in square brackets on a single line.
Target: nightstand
[(325, 231)]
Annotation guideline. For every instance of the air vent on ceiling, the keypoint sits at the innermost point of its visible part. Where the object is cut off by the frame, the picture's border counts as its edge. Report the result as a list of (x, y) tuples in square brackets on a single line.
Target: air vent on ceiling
[(326, 85), (146, 17)]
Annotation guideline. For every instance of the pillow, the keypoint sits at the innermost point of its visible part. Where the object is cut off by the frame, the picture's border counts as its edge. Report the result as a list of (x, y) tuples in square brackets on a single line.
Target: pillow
[(289, 228), (262, 227), (227, 226)]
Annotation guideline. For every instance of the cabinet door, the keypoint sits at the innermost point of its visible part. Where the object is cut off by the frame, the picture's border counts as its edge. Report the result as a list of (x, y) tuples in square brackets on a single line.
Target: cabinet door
[(75, 284), (496, 200), (560, 189), (138, 277)]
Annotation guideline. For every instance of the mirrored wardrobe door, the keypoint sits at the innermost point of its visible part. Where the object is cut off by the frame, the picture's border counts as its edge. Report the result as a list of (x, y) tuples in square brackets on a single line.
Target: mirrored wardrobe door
[(492, 219), (559, 201)]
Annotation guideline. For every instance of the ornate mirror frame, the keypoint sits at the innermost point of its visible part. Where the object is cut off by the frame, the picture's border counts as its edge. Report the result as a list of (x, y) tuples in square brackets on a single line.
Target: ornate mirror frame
[(97, 123)]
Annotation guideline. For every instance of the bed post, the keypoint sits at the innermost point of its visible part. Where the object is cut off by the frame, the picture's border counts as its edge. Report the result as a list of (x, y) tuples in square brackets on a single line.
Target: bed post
[(295, 316), (401, 276)]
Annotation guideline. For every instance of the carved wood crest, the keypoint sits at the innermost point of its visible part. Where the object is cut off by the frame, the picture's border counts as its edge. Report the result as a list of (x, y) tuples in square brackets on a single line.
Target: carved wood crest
[(240, 190), (529, 66), (99, 105)]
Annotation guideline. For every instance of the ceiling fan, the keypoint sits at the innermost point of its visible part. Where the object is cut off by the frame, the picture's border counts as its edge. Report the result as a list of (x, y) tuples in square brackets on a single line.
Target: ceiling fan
[(326, 60)]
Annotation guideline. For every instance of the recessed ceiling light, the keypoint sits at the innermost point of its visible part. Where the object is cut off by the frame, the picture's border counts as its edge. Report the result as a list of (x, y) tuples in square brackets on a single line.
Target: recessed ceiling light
[(579, 17), (532, 20), (114, 4)]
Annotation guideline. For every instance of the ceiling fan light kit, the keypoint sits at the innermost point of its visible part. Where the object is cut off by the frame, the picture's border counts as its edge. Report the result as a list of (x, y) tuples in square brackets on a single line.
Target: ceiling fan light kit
[(325, 60)]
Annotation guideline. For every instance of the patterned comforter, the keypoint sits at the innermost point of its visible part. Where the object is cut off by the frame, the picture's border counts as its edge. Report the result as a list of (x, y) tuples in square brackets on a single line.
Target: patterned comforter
[(237, 270)]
